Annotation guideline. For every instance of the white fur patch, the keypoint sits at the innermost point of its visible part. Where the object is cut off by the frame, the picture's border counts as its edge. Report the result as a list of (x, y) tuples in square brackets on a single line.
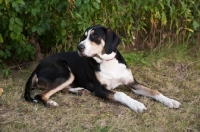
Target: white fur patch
[(107, 56), (52, 103), (87, 44), (75, 90), (35, 101), (112, 73), (171, 103), (131, 103), (98, 60)]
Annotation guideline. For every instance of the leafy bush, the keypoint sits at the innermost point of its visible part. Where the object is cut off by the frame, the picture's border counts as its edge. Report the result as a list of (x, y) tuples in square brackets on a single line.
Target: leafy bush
[(35, 26)]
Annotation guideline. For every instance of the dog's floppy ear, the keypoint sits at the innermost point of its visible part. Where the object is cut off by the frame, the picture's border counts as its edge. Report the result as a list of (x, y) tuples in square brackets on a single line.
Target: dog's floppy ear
[(111, 42)]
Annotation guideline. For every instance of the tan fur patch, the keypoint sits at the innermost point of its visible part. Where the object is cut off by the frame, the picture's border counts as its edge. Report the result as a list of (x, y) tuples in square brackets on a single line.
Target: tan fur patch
[(44, 99), (146, 90), (92, 32), (95, 48), (60, 87), (111, 95)]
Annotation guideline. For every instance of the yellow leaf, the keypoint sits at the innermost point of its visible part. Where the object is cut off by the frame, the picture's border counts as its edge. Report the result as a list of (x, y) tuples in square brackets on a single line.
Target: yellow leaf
[(7, 4), (164, 18), (189, 30)]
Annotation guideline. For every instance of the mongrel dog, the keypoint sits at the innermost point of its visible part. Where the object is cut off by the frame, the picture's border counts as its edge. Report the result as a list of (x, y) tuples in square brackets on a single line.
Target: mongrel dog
[(97, 66)]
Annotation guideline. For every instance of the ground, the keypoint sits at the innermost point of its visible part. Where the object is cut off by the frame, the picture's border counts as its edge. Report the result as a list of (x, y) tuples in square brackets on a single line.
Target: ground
[(174, 71)]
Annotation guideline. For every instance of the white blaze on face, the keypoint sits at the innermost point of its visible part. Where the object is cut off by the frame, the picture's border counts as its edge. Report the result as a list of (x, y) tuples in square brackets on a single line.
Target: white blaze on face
[(87, 44)]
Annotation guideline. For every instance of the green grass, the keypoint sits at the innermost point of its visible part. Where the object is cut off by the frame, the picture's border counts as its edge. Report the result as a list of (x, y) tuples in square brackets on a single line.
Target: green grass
[(173, 70)]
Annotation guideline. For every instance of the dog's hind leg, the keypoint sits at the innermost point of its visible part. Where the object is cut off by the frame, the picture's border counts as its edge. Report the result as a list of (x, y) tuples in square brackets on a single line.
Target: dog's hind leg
[(57, 85), (145, 91), (79, 91)]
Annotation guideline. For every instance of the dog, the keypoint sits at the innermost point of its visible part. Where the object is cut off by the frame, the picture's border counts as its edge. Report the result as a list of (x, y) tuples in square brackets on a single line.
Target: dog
[(97, 66)]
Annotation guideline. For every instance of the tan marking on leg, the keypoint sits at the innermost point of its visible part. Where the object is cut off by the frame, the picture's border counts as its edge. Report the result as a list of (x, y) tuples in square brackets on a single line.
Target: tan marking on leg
[(143, 90), (146, 90), (44, 99), (111, 95), (60, 87)]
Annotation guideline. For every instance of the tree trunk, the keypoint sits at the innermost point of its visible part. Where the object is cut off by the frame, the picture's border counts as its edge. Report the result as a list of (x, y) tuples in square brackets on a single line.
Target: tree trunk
[(36, 45)]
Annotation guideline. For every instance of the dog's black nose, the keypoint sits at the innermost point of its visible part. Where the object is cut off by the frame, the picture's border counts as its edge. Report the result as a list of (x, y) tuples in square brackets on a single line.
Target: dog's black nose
[(81, 47)]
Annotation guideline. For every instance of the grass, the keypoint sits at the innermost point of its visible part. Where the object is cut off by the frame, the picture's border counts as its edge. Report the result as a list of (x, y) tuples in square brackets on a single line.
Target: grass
[(173, 70)]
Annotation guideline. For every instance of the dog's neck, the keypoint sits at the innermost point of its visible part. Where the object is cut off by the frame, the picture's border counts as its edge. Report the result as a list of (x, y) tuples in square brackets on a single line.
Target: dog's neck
[(105, 57)]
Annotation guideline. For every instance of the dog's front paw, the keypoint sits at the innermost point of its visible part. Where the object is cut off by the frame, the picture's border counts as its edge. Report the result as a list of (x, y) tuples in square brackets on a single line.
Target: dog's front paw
[(131, 103), (171, 103), (137, 106)]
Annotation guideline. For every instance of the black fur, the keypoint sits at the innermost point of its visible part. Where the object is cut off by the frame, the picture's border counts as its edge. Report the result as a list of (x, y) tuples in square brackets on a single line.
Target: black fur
[(112, 41)]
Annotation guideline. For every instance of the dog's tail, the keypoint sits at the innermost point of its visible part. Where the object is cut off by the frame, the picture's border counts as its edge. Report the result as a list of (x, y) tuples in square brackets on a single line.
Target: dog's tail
[(29, 85)]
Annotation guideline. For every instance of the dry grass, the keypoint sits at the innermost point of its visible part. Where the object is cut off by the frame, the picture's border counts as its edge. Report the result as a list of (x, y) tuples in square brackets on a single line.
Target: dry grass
[(174, 75)]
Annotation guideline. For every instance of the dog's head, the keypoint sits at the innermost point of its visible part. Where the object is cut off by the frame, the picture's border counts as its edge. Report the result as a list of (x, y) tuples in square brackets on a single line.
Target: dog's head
[(98, 40)]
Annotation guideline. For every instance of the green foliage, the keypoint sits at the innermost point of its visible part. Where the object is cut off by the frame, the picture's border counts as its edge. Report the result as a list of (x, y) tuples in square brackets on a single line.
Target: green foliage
[(135, 58), (162, 21), (170, 52), (176, 52), (57, 25)]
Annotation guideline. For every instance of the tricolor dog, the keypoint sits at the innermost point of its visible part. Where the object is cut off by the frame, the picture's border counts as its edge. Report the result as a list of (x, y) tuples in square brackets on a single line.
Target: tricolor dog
[(97, 67)]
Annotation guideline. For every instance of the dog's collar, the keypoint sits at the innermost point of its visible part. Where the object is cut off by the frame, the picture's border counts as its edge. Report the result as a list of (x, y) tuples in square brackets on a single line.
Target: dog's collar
[(101, 58), (112, 58)]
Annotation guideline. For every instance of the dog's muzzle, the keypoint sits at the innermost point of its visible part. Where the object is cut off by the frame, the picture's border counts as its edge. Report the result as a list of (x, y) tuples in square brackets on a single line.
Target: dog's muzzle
[(81, 49)]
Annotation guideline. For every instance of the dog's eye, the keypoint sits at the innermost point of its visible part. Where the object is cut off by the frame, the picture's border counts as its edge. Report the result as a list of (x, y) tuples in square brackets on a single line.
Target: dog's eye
[(94, 35)]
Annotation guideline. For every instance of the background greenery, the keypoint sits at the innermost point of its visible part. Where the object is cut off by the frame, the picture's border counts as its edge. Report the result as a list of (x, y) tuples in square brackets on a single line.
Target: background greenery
[(35, 27)]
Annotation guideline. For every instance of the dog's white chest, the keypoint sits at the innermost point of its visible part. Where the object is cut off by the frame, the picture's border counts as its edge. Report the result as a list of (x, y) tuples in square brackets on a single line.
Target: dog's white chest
[(112, 74)]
